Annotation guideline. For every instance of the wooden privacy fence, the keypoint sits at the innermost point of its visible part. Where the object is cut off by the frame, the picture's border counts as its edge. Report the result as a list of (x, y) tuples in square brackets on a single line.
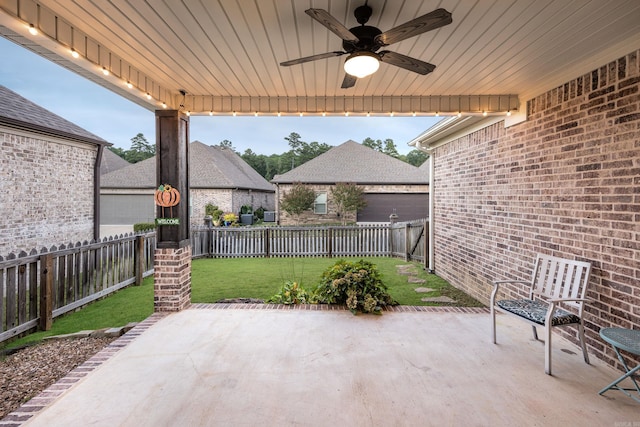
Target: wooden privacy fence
[(39, 286), (407, 240), (36, 287)]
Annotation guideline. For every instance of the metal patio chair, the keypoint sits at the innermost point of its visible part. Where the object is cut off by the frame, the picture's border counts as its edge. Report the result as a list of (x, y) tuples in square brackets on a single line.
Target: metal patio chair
[(555, 282)]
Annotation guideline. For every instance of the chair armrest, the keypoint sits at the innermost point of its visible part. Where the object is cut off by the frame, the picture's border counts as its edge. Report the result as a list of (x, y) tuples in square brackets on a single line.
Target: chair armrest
[(497, 283)]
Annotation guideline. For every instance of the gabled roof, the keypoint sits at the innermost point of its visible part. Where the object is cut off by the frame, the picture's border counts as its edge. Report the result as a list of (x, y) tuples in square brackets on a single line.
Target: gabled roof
[(111, 162), (353, 162), (209, 167), (20, 113), (425, 170)]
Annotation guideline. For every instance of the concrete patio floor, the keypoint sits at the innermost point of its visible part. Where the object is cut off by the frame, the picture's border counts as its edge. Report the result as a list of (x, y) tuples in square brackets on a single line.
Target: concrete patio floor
[(274, 367)]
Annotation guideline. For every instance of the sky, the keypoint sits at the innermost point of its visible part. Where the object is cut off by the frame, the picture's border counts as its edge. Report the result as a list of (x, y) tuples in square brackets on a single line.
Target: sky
[(117, 119)]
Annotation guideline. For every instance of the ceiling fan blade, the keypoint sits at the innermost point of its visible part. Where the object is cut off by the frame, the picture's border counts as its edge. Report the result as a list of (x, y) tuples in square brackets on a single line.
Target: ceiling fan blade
[(436, 19), (311, 58), (323, 17), (406, 62), (349, 81)]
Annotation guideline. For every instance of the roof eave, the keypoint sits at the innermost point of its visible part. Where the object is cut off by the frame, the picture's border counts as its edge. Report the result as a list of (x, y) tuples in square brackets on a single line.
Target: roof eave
[(45, 131)]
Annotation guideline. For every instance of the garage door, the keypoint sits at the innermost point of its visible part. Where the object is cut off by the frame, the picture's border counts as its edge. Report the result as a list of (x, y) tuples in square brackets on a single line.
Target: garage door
[(407, 206), (126, 209)]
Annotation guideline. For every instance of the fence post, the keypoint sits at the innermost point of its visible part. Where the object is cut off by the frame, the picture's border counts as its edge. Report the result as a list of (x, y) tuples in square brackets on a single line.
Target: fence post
[(407, 242), (46, 292), (330, 242), (267, 233), (138, 260)]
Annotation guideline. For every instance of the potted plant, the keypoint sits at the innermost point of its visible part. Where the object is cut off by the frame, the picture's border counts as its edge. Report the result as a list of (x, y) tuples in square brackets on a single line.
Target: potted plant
[(230, 219), (215, 213)]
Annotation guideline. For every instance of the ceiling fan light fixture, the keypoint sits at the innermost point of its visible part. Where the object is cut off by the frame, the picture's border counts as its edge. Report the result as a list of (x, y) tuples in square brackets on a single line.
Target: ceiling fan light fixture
[(361, 64)]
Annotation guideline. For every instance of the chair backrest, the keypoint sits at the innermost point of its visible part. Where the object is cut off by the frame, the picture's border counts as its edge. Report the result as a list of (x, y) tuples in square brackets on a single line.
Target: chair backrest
[(555, 277)]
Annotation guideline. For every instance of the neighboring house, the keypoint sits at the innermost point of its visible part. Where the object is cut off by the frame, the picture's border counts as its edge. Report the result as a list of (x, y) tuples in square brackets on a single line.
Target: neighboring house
[(111, 162), (49, 177), (216, 175), (390, 185)]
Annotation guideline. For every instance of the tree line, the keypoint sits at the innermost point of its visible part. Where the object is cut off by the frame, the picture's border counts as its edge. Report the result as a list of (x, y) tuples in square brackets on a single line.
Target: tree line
[(275, 164)]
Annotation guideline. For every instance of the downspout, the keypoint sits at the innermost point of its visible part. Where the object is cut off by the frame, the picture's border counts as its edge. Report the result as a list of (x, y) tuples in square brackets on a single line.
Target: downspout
[(96, 193), (431, 258), (432, 233), (277, 206)]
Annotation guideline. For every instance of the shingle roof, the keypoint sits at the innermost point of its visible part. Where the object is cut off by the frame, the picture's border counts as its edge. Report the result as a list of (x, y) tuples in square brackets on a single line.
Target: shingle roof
[(209, 167), (18, 112), (111, 162), (425, 169), (353, 162)]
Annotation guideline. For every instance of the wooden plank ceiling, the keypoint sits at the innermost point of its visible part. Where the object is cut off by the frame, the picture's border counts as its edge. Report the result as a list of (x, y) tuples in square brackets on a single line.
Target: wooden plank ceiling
[(225, 54)]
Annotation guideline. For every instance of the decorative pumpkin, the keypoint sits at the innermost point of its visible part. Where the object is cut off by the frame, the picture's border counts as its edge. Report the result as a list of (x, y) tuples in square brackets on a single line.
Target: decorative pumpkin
[(167, 197)]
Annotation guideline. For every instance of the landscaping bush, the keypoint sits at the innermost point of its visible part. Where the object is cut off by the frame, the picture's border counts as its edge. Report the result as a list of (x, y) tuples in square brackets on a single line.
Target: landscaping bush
[(213, 211), (357, 284), (143, 226), (259, 213), (291, 293)]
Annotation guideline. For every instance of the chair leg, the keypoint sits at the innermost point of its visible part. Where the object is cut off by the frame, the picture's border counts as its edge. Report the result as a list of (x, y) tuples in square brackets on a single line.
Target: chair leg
[(535, 333), (547, 351), (583, 344), (493, 323)]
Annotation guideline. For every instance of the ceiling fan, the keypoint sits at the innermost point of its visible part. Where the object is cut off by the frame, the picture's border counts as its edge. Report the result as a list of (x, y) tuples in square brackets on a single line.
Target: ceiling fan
[(362, 43)]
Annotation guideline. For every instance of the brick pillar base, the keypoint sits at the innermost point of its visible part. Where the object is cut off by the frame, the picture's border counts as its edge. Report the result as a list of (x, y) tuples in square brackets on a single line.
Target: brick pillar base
[(172, 279)]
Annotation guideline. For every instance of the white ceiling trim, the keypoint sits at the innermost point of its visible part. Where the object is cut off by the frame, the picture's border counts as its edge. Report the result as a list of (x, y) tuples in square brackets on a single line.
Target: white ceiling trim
[(469, 104), (225, 54)]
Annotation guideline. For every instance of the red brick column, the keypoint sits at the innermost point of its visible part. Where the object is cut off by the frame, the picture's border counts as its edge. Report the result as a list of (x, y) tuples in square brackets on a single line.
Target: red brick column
[(172, 279)]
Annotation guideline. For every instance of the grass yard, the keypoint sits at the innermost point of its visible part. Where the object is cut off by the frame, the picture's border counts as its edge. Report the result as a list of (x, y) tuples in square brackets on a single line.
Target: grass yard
[(216, 279)]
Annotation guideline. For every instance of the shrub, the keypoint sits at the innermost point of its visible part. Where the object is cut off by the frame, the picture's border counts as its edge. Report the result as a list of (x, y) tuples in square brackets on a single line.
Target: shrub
[(357, 284), (143, 226), (299, 199), (291, 293), (259, 213), (213, 211)]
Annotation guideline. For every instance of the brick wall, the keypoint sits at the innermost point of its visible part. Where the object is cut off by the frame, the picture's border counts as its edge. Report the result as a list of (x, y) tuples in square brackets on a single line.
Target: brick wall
[(227, 200), (566, 182), (47, 191), (171, 279)]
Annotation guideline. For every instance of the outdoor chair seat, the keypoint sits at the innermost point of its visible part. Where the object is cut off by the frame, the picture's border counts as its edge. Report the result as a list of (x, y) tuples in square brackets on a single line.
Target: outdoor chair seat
[(536, 311), (555, 282)]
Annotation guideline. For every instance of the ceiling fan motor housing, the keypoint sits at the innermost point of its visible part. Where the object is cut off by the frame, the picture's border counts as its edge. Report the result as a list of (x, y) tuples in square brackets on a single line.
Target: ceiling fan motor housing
[(366, 36), (363, 13)]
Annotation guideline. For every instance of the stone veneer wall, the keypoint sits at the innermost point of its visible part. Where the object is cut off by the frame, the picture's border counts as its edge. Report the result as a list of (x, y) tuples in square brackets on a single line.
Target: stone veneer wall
[(566, 182), (331, 216), (47, 191)]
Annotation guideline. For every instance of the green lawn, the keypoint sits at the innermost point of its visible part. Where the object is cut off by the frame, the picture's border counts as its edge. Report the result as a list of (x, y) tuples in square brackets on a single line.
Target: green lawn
[(216, 279)]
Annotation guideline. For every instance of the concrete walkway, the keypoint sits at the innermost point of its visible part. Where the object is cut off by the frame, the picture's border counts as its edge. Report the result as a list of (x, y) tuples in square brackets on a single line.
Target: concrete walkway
[(271, 367)]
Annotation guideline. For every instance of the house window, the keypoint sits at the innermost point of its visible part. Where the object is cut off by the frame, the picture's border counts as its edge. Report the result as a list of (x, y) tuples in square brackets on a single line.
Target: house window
[(320, 204)]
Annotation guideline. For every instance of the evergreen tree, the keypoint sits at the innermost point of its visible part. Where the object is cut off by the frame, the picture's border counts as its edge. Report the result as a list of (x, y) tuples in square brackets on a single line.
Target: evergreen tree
[(140, 149), (416, 157)]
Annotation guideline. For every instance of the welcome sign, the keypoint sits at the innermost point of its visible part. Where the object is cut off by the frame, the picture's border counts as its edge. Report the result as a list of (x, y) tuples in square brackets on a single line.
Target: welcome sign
[(167, 197)]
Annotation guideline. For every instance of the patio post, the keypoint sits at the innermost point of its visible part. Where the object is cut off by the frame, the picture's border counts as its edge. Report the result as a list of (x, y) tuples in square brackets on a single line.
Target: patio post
[(172, 258)]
